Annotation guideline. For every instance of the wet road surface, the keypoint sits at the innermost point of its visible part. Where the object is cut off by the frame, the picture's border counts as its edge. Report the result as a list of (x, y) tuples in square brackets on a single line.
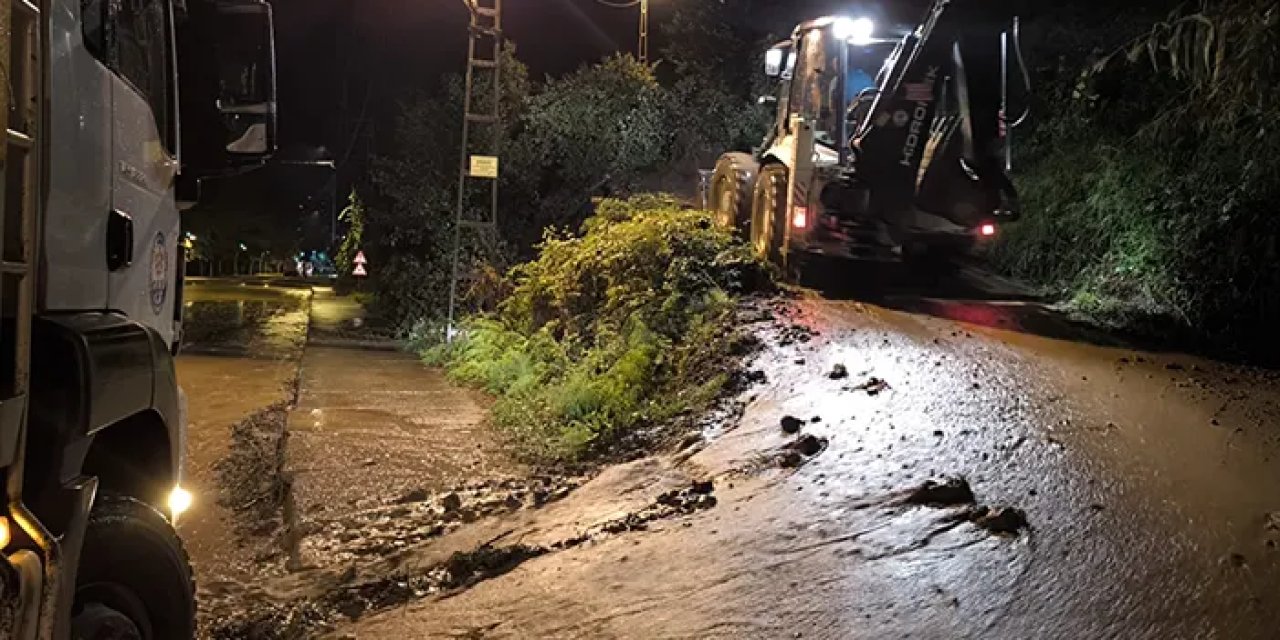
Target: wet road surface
[(373, 426), (241, 349), (1147, 479)]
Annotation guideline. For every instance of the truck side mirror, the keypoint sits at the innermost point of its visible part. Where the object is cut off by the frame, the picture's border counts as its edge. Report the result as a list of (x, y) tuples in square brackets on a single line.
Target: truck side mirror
[(246, 62)]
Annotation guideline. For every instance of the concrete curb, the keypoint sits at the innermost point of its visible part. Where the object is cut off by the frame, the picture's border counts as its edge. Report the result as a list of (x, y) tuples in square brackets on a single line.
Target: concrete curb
[(362, 345)]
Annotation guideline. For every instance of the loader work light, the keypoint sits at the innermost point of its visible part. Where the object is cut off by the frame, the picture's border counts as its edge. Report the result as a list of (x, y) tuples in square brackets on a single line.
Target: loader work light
[(857, 32), (773, 63)]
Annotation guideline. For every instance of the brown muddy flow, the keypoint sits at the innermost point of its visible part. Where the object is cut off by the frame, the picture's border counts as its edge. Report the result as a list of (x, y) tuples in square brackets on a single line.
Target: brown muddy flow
[(240, 352), (1106, 493)]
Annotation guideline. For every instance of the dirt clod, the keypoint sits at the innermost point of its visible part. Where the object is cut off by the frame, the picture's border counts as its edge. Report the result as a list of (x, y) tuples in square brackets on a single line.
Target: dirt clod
[(949, 492), (838, 372), (807, 445), (416, 495), (451, 502), (873, 387), (1000, 520), (791, 424)]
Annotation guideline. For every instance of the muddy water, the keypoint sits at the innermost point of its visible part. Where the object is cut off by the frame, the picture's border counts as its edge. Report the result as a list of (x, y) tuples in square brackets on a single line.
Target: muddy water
[(241, 349), (373, 426), (221, 391), (1147, 480)]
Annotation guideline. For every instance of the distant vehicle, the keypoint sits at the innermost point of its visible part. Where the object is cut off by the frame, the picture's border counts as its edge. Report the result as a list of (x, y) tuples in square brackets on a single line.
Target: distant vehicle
[(92, 422), (885, 147)]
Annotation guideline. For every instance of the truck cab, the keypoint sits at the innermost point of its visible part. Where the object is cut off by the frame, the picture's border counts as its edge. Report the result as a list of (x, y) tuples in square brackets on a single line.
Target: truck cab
[(92, 420)]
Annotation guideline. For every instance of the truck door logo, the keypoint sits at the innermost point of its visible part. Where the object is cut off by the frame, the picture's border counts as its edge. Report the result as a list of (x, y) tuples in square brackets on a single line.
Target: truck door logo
[(159, 286)]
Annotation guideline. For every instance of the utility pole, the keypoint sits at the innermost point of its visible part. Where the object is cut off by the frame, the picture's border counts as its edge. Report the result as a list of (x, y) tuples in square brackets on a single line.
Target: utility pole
[(484, 56)]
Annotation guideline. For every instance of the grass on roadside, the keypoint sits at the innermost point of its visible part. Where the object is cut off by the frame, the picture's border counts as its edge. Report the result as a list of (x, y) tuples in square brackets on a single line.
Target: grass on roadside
[(608, 336)]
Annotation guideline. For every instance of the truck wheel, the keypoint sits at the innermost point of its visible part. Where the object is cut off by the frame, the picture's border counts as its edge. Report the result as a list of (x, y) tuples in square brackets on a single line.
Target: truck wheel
[(768, 218), (731, 189), (134, 580)]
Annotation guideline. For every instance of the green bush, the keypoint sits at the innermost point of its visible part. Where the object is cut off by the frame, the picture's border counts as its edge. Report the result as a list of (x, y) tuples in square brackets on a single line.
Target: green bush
[(1149, 197), (607, 336)]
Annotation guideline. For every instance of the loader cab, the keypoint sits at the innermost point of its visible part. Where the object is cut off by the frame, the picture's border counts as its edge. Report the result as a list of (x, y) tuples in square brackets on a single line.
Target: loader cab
[(830, 69)]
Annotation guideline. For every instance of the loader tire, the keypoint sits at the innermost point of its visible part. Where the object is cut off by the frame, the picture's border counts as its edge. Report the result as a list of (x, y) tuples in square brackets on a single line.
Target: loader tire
[(768, 215), (134, 579), (731, 185)]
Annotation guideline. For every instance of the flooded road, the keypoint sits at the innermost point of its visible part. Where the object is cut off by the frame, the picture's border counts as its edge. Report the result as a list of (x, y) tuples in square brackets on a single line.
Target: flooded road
[(241, 349), (375, 431), (1147, 481)]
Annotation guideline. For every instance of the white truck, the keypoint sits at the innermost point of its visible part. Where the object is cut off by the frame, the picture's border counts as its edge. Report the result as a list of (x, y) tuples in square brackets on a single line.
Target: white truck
[(92, 422)]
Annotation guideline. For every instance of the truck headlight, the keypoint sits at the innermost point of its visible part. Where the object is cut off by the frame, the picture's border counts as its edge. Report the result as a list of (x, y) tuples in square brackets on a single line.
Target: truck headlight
[(179, 501)]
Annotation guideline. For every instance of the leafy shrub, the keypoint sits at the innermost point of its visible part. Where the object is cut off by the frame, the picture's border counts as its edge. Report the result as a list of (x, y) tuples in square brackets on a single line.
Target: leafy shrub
[(609, 335), (1165, 222)]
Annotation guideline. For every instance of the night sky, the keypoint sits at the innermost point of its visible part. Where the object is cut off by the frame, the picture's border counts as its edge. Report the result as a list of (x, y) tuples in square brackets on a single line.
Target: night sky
[(403, 45)]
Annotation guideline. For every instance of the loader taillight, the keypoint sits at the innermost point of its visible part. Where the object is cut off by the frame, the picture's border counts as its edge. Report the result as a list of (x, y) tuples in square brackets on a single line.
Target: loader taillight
[(987, 230), (800, 217)]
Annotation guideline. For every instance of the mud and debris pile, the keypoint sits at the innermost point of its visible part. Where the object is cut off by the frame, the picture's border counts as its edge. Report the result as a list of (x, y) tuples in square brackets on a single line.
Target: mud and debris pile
[(698, 496), (955, 492), (418, 516), (349, 598), (252, 483)]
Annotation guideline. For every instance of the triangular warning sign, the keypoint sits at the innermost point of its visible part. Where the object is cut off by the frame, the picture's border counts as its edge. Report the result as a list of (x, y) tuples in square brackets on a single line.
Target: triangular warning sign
[(360, 272), (360, 258)]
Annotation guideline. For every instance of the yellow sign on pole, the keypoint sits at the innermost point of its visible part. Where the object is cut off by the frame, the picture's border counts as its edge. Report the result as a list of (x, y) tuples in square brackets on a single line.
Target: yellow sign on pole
[(484, 166)]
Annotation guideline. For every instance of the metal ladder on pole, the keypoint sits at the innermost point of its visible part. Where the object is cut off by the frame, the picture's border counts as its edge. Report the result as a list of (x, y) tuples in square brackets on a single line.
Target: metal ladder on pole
[(643, 52), (476, 221)]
